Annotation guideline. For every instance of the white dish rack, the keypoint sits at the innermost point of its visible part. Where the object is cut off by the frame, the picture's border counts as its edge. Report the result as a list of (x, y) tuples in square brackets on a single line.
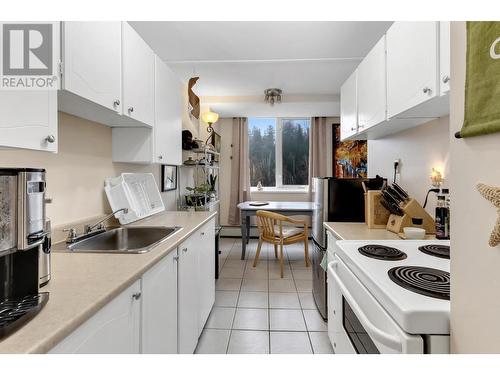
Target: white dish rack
[(138, 192)]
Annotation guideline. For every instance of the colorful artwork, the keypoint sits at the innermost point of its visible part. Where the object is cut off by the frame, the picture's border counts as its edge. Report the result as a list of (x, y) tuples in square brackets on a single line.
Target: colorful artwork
[(350, 157)]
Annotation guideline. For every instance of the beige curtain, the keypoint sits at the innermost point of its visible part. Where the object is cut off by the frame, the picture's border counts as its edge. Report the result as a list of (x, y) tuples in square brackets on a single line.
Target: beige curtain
[(240, 170), (320, 149)]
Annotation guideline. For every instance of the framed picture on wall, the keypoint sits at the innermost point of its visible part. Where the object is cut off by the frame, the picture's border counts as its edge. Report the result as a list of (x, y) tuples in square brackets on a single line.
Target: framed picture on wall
[(350, 158), (168, 177)]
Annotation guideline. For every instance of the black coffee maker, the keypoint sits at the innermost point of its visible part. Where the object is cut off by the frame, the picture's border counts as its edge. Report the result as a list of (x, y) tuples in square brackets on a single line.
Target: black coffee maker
[(22, 234)]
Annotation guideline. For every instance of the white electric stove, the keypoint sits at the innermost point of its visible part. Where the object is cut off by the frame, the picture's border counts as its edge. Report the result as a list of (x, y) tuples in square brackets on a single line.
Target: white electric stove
[(389, 296)]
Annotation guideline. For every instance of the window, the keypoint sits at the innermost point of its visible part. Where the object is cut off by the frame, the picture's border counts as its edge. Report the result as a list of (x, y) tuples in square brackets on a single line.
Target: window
[(279, 152)]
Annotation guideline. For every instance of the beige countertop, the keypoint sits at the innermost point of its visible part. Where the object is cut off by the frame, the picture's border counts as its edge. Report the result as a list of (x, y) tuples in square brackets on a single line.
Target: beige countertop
[(360, 231), (82, 283)]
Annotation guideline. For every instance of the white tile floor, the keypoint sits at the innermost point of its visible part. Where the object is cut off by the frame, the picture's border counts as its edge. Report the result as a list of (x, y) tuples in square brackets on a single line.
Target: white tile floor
[(257, 312)]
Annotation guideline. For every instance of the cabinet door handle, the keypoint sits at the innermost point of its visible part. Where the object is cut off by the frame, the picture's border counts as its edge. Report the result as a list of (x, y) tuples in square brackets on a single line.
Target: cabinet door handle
[(116, 103), (185, 249), (446, 79), (130, 109), (160, 157), (176, 258), (426, 90), (202, 233), (354, 129), (50, 138), (136, 296)]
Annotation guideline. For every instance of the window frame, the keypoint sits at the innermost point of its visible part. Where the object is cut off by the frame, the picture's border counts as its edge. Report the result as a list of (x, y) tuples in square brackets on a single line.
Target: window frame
[(280, 188)]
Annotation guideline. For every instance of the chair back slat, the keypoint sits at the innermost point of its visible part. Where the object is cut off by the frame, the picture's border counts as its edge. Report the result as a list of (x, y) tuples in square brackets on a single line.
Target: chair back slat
[(266, 221)]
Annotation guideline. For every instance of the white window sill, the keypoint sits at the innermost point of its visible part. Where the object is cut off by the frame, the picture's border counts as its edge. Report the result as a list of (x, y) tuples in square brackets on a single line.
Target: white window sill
[(268, 190)]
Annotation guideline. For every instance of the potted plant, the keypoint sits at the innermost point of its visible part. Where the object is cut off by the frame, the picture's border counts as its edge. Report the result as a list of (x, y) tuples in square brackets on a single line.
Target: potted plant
[(189, 202), (211, 181)]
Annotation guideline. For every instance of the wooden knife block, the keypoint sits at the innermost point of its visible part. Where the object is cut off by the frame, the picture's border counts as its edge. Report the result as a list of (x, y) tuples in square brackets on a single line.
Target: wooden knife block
[(411, 209), (376, 216)]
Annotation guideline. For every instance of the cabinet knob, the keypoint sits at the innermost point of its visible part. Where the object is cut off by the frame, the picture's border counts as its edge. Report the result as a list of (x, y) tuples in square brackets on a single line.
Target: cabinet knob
[(446, 79), (136, 296), (116, 103), (130, 109), (202, 233), (185, 249), (354, 129), (160, 157), (426, 90), (50, 138), (176, 258)]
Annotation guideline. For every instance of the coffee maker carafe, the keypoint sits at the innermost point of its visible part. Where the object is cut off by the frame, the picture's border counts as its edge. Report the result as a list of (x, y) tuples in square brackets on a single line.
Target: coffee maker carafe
[(22, 234)]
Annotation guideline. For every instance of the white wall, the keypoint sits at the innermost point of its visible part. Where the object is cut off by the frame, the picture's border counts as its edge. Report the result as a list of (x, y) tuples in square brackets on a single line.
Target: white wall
[(475, 267), (419, 149)]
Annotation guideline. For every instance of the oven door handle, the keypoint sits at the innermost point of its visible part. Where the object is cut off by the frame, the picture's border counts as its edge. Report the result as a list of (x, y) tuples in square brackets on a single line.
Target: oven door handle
[(376, 333)]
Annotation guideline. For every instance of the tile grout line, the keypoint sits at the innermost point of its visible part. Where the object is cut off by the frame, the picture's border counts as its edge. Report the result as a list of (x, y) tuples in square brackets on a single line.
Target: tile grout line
[(236, 307), (302, 312)]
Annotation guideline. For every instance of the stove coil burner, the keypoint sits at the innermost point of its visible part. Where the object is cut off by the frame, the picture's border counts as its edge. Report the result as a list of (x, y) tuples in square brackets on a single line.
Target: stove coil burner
[(429, 282), (382, 252), (441, 251)]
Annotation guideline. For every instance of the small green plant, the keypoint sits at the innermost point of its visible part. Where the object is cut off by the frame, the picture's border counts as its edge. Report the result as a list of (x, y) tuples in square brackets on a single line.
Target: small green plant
[(212, 180)]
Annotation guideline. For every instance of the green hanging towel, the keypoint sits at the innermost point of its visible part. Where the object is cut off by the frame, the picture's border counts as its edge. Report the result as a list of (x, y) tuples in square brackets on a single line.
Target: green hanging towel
[(482, 81)]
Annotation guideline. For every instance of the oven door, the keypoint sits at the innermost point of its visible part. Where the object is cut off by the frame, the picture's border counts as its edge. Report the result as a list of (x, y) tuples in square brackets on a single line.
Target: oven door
[(357, 322)]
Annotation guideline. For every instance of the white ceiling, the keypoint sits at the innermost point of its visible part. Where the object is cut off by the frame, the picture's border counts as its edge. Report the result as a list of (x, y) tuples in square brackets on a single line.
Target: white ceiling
[(244, 58)]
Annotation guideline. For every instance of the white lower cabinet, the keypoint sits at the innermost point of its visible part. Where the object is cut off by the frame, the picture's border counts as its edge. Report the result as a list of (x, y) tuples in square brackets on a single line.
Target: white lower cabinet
[(188, 297), (163, 312), (114, 329), (196, 285), (159, 307), (206, 272)]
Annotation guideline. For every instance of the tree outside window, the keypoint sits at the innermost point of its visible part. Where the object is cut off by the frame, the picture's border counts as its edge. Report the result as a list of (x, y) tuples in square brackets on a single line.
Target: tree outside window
[(279, 152)]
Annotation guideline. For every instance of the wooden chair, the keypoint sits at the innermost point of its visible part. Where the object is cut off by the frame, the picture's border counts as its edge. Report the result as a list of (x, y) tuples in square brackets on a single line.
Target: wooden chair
[(271, 230)]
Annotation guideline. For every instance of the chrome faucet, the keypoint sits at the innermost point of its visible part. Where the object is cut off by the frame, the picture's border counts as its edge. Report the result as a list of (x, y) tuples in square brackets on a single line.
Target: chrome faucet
[(99, 225), (90, 230)]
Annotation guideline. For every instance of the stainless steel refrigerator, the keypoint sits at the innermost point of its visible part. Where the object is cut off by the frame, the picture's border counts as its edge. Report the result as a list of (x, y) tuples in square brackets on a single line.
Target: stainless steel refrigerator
[(336, 199)]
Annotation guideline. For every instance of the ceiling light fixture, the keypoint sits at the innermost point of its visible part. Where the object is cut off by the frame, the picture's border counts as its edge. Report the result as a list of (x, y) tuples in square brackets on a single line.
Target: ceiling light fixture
[(273, 95)]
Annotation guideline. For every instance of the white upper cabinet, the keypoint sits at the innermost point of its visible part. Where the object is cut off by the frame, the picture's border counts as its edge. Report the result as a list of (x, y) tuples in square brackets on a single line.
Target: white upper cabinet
[(92, 62), (163, 143), (349, 107), (159, 307), (28, 119), (168, 115), (372, 93), (412, 61), (444, 57), (138, 74)]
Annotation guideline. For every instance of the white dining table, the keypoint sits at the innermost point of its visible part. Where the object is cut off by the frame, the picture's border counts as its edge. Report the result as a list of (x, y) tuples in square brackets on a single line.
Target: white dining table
[(284, 208)]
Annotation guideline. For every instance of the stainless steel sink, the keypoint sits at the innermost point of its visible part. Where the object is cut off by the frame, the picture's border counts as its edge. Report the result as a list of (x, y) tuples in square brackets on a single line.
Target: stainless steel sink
[(124, 240)]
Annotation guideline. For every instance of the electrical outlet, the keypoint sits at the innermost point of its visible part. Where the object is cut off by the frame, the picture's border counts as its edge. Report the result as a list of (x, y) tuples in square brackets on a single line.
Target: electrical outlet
[(397, 165)]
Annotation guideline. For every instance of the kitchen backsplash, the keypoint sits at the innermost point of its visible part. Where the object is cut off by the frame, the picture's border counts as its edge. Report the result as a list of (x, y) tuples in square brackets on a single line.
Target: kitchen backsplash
[(75, 175), (420, 149)]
